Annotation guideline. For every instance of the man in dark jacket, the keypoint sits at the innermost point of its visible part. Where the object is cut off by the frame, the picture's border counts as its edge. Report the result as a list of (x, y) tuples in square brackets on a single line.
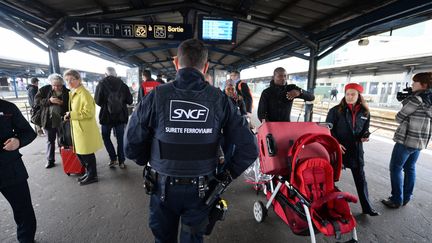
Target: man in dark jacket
[(32, 89), (15, 133), (111, 91), (276, 101), (177, 129), (53, 101)]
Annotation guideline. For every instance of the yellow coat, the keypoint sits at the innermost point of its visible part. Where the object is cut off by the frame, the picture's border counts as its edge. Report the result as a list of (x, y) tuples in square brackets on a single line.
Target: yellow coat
[(86, 136)]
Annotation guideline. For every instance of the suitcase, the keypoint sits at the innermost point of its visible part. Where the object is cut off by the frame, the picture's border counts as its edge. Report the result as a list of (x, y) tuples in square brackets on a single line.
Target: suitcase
[(275, 139), (71, 163)]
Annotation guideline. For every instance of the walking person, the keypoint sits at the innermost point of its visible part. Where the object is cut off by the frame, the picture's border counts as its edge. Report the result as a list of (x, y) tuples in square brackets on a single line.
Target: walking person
[(32, 90), (15, 133), (86, 137), (113, 96), (53, 101), (177, 129), (412, 135), (350, 121)]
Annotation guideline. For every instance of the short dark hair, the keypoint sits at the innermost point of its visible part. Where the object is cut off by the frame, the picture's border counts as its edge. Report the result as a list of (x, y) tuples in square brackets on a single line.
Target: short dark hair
[(147, 73), (34, 80), (235, 71), (424, 78), (278, 70), (192, 53)]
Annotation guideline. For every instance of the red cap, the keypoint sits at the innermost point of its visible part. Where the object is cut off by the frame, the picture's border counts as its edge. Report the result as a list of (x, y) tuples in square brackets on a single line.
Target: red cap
[(355, 86)]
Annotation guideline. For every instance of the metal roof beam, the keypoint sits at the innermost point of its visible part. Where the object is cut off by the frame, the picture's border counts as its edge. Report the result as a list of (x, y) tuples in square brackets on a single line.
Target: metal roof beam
[(147, 49), (216, 49), (17, 26), (398, 9), (273, 17), (20, 13), (163, 8)]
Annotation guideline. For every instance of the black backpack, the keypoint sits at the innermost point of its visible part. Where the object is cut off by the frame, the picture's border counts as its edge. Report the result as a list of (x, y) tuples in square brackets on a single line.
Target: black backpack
[(115, 102)]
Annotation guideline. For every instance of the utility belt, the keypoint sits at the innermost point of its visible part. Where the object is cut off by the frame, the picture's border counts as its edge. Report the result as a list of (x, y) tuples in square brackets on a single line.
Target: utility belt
[(152, 179)]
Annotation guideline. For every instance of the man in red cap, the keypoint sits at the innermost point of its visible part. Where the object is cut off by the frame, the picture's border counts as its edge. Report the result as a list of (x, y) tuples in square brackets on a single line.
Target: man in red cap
[(350, 121)]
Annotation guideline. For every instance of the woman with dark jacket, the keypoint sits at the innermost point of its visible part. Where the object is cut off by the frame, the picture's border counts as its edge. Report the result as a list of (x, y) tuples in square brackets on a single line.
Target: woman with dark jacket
[(350, 121), (53, 101)]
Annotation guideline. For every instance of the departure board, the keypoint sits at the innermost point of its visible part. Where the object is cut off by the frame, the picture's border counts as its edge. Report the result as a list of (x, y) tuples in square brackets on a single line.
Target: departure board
[(217, 30)]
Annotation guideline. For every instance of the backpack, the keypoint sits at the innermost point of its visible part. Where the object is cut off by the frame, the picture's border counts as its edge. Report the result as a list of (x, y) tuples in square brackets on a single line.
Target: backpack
[(114, 102)]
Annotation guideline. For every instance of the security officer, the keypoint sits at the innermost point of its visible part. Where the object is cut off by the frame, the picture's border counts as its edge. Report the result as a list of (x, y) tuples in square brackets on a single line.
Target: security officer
[(16, 132), (177, 129)]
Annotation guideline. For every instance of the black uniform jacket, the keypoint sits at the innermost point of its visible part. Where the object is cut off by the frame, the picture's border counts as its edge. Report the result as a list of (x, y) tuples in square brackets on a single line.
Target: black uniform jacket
[(105, 86), (348, 136), (13, 124), (274, 105), (139, 132), (42, 102)]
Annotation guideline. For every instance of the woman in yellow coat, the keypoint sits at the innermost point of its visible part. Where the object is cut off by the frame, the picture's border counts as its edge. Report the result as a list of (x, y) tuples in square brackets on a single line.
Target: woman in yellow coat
[(86, 137)]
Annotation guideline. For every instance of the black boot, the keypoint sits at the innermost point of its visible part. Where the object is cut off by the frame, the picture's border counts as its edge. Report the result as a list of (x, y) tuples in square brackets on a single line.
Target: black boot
[(89, 180), (82, 177), (50, 164)]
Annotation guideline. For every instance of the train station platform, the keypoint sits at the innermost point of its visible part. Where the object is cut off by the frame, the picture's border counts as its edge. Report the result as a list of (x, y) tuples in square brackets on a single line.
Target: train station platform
[(116, 208)]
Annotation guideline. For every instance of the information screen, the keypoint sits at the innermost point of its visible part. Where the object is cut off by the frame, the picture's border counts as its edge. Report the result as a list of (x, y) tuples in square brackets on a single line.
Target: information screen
[(217, 30)]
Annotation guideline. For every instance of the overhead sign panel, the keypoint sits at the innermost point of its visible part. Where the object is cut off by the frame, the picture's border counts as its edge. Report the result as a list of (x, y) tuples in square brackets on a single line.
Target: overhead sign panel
[(80, 28)]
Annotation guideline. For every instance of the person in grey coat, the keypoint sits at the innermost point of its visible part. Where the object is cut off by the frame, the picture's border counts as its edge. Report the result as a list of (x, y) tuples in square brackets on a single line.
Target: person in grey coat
[(412, 135)]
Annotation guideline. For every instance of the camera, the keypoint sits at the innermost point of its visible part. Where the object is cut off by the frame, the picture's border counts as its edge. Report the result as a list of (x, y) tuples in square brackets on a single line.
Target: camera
[(404, 93)]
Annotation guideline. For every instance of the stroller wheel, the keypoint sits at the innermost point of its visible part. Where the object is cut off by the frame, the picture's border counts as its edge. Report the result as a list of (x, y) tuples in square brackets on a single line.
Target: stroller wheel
[(260, 211)]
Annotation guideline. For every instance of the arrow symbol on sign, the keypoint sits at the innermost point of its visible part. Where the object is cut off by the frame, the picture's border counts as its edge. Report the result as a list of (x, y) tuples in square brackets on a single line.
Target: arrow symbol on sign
[(77, 29)]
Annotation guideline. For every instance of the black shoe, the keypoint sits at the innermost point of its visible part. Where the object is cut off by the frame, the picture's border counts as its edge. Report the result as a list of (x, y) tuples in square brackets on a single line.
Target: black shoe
[(82, 178), (372, 212), (405, 203), (88, 180), (50, 164), (389, 203)]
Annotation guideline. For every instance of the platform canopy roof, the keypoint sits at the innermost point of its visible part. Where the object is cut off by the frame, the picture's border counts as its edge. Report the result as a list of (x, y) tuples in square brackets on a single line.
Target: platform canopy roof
[(267, 30)]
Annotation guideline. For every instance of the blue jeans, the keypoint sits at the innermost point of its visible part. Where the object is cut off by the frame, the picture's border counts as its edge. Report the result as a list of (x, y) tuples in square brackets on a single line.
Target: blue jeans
[(402, 186), (118, 133)]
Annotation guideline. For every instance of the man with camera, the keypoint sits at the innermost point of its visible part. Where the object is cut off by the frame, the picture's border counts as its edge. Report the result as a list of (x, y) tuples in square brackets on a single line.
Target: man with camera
[(276, 101), (412, 135)]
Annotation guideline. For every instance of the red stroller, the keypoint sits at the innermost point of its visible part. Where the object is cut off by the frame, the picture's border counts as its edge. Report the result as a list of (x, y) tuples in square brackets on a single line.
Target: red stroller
[(305, 161)]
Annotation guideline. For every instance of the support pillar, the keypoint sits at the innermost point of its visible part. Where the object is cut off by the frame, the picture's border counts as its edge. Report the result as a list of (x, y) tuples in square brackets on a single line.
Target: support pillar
[(54, 65), (312, 75), (15, 86)]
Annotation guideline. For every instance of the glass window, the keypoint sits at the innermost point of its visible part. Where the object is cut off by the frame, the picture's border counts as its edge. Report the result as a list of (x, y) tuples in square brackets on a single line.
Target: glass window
[(373, 88), (389, 88), (398, 87)]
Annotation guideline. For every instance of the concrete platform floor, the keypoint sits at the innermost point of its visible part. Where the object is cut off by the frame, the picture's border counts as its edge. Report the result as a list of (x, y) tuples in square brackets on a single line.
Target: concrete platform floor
[(116, 208)]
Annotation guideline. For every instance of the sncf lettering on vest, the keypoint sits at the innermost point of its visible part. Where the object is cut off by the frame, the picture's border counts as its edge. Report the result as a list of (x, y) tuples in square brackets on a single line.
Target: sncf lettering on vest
[(186, 111)]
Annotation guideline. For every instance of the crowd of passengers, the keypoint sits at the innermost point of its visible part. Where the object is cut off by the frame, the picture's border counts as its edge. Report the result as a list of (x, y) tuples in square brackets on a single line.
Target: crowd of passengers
[(59, 102)]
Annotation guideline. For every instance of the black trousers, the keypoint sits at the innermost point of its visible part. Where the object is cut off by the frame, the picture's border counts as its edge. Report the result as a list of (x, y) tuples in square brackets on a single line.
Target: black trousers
[(89, 162), (18, 195), (362, 189)]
